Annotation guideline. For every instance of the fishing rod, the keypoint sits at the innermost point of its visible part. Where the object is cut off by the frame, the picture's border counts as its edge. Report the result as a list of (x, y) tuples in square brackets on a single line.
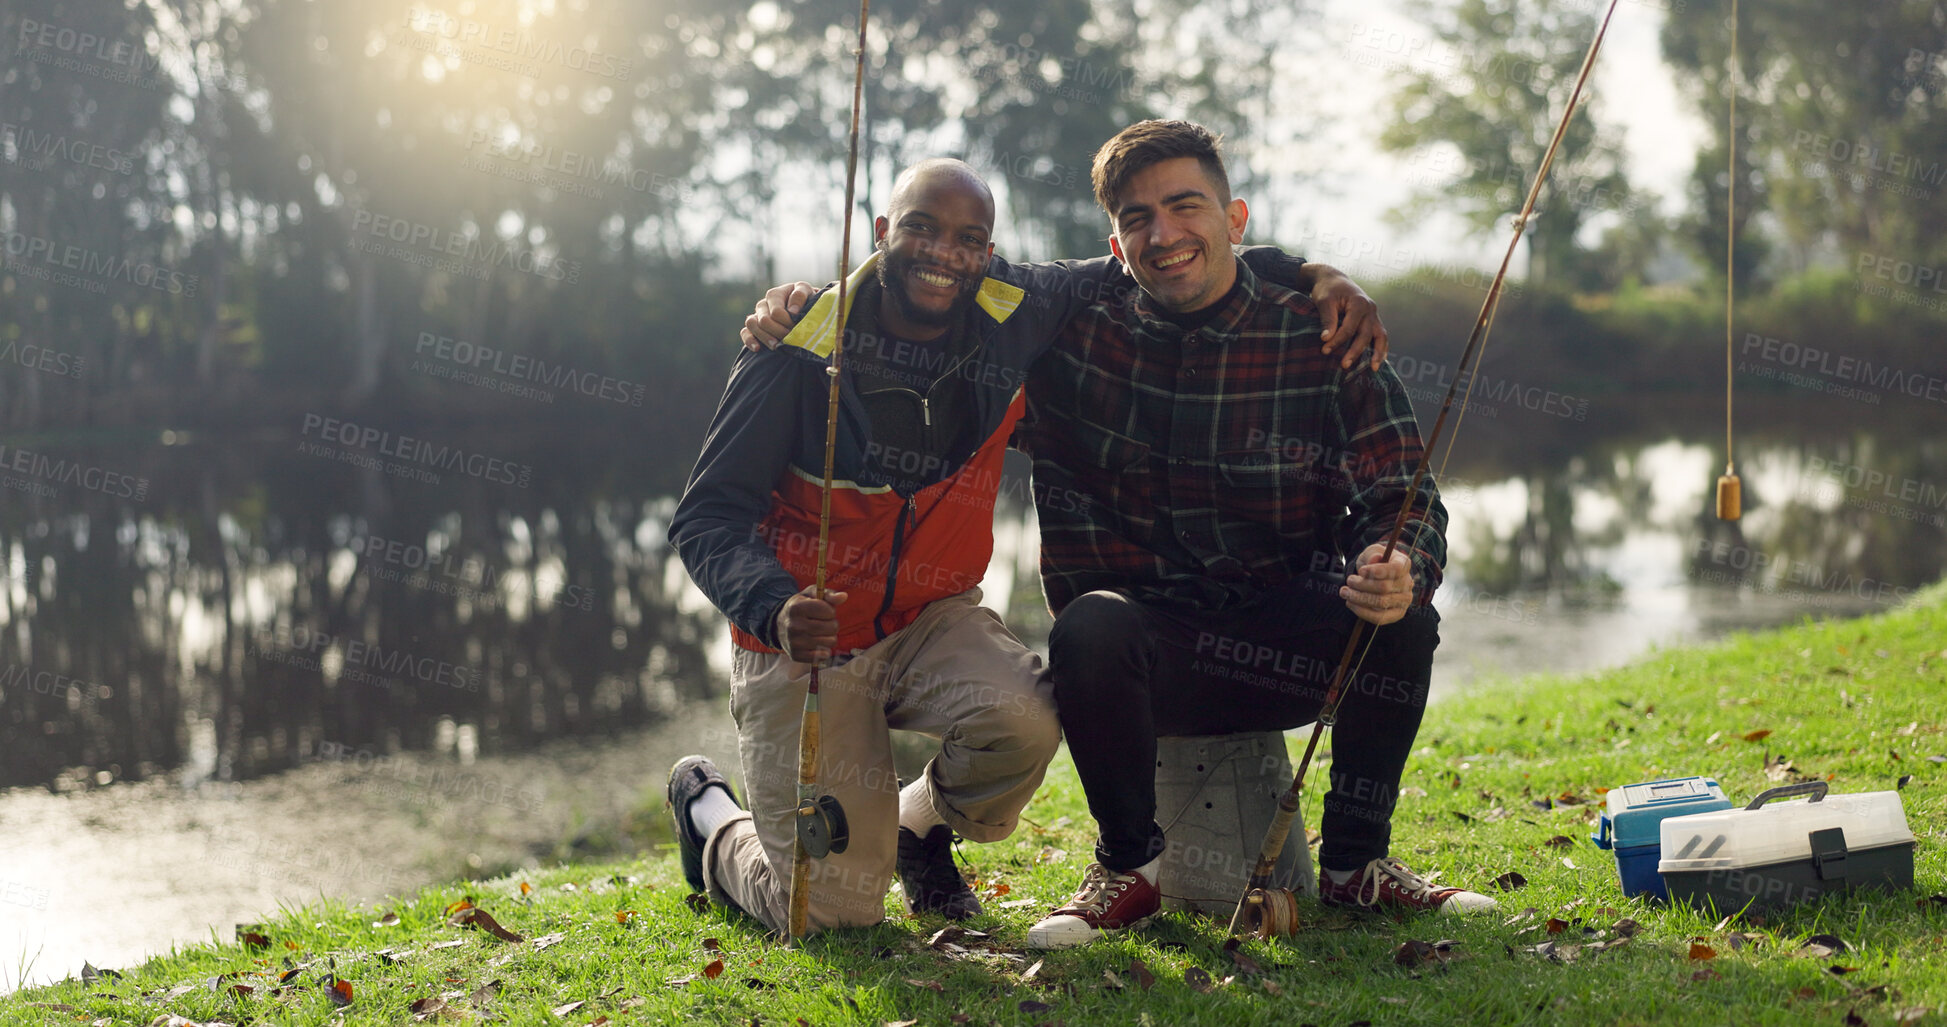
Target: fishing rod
[(820, 820), (1272, 912)]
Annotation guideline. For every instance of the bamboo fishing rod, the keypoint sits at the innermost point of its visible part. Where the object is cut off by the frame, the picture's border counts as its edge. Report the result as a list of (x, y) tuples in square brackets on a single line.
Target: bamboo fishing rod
[(815, 815), (1280, 829)]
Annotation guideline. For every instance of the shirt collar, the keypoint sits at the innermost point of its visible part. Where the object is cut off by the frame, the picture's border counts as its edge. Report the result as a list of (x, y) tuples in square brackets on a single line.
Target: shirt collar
[(1235, 309)]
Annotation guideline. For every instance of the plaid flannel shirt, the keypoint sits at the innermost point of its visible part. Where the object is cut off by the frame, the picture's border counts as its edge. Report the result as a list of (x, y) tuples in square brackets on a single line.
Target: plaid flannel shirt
[(1201, 469)]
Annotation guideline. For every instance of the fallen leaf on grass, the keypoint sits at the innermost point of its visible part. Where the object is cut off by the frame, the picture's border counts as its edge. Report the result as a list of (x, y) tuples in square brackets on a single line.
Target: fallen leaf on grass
[(960, 1018), (1905, 779), (1198, 980), (998, 889), (1840, 971), (526, 889), (1017, 903), (1510, 881), (474, 916), (387, 920), (1706, 974), (564, 1010), (1112, 981), (697, 901), (898, 1023), (1699, 950), (624, 916), (1626, 928), (932, 986), (1413, 953), (250, 939), (1557, 925), (1031, 1006), (1739, 939), (1243, 960), (1560, 841), (1557, 953), (455, 943), (1938, 900), (1820, 946), (1139, 971), (1780, 768), (426, 1008), (1853, 1019), (464, 902), (546, 940), (1757, 736), (339, 992), (714, 970), (1031, 971), (1910, 1015), (484, 994)]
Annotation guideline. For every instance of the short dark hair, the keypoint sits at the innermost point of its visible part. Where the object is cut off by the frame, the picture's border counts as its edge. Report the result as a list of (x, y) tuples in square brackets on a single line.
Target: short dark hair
[(1152, 142)]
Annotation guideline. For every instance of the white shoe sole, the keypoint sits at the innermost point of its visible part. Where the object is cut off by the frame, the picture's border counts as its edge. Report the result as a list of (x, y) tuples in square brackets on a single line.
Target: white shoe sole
[(1468, 902), (1064, 932)]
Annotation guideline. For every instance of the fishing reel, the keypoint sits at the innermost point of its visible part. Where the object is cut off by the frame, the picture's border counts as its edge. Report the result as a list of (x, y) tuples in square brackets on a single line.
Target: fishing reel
[(822, 829)]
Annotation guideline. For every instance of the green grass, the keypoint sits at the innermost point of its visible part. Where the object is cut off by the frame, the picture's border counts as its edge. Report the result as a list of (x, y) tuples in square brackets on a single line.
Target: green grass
[(1859, 701)]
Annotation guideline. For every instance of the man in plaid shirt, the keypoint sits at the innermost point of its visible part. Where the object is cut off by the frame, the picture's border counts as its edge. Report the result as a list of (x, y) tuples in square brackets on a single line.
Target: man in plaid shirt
[(1204, 475)]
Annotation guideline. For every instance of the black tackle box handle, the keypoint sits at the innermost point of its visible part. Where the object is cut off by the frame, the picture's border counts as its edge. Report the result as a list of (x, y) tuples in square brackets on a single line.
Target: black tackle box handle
[(1815, 789)]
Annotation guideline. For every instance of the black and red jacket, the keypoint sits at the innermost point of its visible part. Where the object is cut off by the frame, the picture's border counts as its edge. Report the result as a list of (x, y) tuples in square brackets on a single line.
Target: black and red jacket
[(747, 525)]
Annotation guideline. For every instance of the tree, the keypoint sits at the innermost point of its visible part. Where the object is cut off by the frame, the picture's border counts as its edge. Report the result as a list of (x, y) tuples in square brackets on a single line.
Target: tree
[(1480, 102), (1842, 121)]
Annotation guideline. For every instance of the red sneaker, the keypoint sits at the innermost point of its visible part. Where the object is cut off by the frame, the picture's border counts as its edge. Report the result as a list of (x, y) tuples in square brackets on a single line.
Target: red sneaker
[(1107, 901), (1386, 882)]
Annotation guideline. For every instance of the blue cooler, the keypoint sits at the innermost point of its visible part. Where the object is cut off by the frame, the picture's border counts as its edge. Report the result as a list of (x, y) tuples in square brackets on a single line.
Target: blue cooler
[(1633, 825)]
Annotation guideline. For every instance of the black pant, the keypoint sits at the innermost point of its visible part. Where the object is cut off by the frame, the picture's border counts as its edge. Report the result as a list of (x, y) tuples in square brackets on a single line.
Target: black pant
[(1127, 671)]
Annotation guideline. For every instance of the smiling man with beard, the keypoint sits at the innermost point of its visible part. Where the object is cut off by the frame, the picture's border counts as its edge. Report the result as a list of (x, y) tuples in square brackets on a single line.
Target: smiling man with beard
[(939, 336)]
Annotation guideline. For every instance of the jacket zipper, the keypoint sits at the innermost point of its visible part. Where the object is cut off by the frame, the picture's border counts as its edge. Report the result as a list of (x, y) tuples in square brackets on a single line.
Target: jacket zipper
[(909, 511)]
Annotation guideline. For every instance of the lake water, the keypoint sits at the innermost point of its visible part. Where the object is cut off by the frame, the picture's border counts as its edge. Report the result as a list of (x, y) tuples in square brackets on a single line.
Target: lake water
[(247, 671)]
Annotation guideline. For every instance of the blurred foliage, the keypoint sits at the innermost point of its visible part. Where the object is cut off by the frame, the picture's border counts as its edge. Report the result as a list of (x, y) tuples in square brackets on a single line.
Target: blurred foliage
[(287, 200), (219, 211), (1842, 124), (1477, 108)]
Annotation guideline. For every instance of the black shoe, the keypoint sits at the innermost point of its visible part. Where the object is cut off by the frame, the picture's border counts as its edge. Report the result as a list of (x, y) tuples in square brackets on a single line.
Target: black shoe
[(927, 876), (687, 779)]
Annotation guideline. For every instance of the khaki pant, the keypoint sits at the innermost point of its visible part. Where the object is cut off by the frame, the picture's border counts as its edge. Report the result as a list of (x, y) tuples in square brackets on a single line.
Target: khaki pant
[(955, 673)]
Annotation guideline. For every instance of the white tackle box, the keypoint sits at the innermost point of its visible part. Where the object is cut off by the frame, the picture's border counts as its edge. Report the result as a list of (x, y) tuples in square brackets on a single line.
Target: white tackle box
[(1774, 854)]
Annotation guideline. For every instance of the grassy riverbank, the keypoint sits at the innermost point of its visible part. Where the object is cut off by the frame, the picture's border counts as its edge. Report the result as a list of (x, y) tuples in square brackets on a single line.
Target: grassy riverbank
[(1502, 777)]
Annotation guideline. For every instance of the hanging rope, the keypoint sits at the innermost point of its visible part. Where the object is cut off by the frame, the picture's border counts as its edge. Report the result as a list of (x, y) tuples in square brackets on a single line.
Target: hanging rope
[(810, 806), (1274, 837), (1730, 498)]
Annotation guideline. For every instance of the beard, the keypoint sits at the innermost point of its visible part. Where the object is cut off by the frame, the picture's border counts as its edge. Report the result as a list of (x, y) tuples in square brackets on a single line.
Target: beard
[(892, 278)]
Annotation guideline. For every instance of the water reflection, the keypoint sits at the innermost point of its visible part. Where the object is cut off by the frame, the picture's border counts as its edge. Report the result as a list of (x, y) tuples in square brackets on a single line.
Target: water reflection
[(232, 609), (254, 606)]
